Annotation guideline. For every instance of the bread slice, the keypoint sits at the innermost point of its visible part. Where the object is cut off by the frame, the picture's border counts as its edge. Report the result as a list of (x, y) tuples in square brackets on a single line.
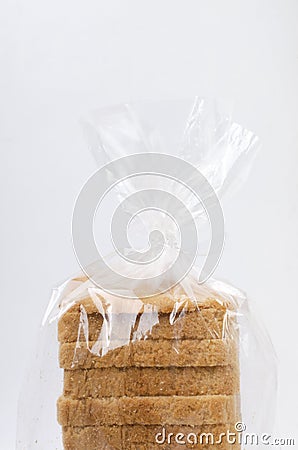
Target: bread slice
[(173, 300), (172, 410), (146, 381), (149, 353), (209, 323), (148, 437)]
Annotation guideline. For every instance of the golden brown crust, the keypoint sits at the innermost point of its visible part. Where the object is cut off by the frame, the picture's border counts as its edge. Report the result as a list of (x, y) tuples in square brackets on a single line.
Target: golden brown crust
[(176, 410)]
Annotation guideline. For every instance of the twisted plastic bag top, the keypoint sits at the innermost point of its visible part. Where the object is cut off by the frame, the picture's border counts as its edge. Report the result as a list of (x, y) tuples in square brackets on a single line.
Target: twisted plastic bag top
[(167, 163)]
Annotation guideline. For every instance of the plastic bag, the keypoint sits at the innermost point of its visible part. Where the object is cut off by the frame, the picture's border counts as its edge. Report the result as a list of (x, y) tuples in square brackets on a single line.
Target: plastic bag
[(144, 350)]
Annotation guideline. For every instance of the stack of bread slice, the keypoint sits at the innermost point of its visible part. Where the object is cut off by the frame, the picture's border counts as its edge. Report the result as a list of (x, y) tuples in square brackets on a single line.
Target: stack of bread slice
[(161, 374)]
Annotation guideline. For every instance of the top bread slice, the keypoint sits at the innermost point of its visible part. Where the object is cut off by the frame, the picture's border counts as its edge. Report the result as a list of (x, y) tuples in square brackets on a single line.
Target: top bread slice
[(164, 316), (165, 303)]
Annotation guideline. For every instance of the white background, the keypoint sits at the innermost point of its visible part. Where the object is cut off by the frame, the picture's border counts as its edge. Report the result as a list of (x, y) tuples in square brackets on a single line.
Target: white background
[(60, 59)]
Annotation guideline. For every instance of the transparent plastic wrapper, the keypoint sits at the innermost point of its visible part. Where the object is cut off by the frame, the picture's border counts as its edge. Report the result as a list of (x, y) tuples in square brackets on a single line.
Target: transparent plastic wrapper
[(144, 349)]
